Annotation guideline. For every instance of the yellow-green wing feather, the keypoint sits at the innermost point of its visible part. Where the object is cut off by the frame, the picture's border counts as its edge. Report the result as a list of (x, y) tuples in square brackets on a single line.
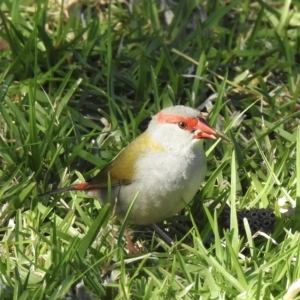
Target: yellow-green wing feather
[(122, 169)]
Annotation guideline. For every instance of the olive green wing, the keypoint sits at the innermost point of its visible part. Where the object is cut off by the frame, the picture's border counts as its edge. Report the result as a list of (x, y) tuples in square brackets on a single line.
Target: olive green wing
[(119, 171), (122, 169)]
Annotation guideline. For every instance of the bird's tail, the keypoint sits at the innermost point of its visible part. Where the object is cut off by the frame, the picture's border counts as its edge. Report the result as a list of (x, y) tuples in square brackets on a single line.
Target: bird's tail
[(78, 187)]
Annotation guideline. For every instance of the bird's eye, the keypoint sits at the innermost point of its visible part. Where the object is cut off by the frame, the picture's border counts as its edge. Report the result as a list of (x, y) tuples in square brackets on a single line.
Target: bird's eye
[(182, 125)]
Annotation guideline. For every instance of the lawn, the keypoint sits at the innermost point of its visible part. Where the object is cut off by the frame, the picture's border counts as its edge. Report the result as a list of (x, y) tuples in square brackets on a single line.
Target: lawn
[(80, 80)]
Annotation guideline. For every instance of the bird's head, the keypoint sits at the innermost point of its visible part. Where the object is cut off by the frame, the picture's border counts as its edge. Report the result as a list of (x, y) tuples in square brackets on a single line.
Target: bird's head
[(182, 123)]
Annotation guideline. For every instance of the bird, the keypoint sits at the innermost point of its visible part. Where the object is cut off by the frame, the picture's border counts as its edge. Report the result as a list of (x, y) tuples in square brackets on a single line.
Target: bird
[(161, 170)]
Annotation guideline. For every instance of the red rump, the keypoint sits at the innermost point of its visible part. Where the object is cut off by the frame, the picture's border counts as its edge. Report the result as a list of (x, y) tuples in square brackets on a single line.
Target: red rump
[(81, 186), (84, 186)]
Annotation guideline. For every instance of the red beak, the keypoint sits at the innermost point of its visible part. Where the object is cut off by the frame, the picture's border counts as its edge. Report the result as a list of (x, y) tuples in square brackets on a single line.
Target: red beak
[(204, 131)]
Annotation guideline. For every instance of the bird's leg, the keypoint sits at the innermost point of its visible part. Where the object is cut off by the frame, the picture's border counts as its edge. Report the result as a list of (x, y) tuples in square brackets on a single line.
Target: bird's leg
[(130, 244), (164, 236)]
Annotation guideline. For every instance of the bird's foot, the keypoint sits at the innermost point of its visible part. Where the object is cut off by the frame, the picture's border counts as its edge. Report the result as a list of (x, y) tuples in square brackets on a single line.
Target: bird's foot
[(130, 245), (163, 235)]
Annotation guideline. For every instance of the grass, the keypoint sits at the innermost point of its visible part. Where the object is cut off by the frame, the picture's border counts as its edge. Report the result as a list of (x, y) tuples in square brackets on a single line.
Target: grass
[(77, 87)]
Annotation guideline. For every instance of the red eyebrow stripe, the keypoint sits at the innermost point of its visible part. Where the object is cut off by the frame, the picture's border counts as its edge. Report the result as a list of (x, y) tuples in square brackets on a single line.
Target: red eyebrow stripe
[(174, 119)]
